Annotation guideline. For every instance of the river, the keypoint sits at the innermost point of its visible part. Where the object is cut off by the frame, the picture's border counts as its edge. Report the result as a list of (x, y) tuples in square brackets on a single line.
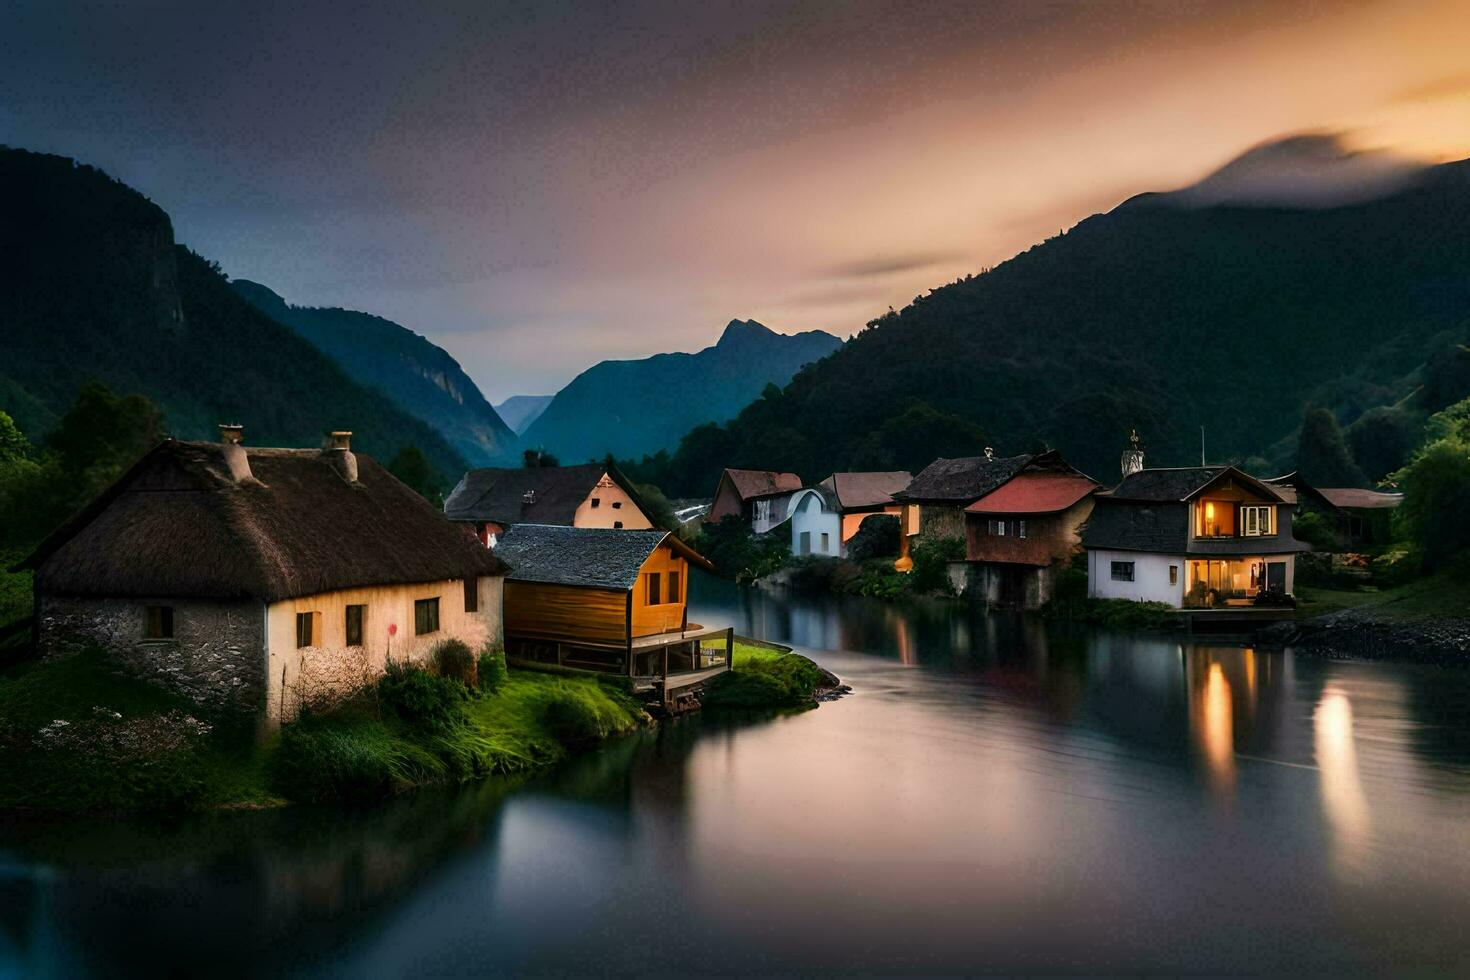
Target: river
[(995, 795)]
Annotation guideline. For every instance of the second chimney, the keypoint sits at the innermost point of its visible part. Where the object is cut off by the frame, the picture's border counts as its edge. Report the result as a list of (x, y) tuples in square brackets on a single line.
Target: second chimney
[(339, 454), (232, 448)]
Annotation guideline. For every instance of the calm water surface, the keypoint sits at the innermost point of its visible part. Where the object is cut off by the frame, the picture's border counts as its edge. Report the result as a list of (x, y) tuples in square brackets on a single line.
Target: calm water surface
[(994, 796)]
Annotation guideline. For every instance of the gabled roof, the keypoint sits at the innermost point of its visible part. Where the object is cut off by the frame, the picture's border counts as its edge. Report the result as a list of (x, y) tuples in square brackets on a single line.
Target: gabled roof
[(1122, 526), (750, 484), (596, 558), (853, 491), (1043, 492), (178, 525), (961, 481), (1351, 498), (498, 494), (1183, 482)]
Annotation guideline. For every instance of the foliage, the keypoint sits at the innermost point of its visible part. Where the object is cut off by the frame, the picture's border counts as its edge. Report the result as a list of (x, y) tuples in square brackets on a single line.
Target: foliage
[(1322, 455), (490, 669), (577, 714), (1382, 439), (1452, 422), (1121, 614), (917, 436), (931, 563), (421, 700), (412, 467), (14, 446), (877, 537), (1433, 517), (739, 554), (453, 659), (1316, 529), (762, 679)]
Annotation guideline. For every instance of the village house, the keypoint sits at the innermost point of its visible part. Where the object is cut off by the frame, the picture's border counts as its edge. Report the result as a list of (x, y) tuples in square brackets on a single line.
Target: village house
[(1021, 534), (590, 495), (1191, 537), (760, 498), (255, 579), (825, 517), (610, 601), (1357, 518)]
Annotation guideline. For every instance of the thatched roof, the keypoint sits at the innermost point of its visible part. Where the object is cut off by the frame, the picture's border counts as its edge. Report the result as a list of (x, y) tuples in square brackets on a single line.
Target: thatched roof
[(177, 524), (597, 558), (499, 495)]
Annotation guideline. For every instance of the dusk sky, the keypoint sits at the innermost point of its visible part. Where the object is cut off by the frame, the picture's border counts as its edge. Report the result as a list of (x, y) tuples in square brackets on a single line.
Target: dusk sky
[(539, 186)]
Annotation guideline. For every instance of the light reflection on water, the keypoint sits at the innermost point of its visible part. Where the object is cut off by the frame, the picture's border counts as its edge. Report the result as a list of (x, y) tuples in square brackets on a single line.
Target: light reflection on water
[(997, 795)]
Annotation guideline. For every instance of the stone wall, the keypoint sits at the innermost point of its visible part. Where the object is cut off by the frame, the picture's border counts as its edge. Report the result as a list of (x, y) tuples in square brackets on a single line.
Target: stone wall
[(216, 656), (937, 522)]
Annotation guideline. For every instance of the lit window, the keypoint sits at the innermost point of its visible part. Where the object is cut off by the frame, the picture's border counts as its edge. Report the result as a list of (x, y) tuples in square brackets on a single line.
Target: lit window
[(426, 616), (158, 622), (1020, 529), (354, 625), (1122, 571)]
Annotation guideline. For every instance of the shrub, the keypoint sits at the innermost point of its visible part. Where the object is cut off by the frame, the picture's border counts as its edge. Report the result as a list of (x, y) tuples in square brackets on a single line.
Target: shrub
[(420, 699), (1432, 518), (744, 691), (1316, 530), (453, 659), (931, 563), (761, 681), (574, 717), (876, 537), (491, 669), (348, 758)]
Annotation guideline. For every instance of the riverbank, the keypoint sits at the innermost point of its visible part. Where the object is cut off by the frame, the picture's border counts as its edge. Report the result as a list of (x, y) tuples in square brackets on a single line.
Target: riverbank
[(1425, 621), (74, 735)]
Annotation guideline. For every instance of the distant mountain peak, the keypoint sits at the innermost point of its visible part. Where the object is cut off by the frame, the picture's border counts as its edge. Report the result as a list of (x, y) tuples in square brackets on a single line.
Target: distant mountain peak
[(738, 330)]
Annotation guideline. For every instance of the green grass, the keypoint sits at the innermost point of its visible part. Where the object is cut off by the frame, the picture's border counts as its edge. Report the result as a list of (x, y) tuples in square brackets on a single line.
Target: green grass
[(1442, 596), (763, 679)]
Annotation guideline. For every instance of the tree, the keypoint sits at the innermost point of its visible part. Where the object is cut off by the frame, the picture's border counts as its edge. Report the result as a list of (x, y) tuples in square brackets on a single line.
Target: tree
[(1322, 455), (102, 434), (917, 436), (1433, 517), (1382, 440), (14, 445), (538, 458), (414, 469)]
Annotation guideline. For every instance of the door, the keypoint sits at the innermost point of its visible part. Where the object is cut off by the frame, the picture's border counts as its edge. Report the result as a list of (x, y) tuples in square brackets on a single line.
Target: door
[(806, 542), (1276, 577)]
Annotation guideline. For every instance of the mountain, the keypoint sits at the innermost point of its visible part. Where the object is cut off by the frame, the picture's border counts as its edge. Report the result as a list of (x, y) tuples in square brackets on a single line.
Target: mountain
[(633, 407), (92, 285), (519, 411), (1166, 313), (419, 377)]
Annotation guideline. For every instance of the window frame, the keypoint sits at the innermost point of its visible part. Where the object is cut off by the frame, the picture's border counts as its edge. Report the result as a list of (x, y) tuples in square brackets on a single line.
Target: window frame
[(360, 627), (1257, 520), (1021, 528), (158, 622), (308, 620), (1173, 574), (472, 594), (652, 589), (424, 610), (673, 583), (1128, 567)]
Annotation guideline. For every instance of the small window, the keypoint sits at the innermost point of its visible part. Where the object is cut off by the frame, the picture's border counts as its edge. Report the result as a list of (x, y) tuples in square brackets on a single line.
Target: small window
[(617, 524), (826, 538), (673, 586), (472, 594), (1020, 529), (305, 630), (1122, 571), (354, 625), (426, 616), (1000, 528), (1173, 574), (158, 622), (617, 505), (596, 503), (652, 593)]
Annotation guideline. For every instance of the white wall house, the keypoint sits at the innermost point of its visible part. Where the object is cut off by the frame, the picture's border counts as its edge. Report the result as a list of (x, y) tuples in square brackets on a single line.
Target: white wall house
[(816, 525), (1136, 575)]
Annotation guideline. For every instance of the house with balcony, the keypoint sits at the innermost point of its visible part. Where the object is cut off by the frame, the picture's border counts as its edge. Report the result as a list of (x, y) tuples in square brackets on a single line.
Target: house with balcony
[(1196, 537)]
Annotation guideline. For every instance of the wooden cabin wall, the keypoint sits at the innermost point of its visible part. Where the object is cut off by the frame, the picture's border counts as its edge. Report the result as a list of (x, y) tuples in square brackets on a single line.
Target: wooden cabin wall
[(566, 613), (664, 617)]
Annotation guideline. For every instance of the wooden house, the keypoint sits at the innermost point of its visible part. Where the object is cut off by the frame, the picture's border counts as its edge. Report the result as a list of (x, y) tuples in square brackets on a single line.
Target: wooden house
[(611, 601), (825, 517), (1021, 534), (760, 498), (259, 578), (591, 495)]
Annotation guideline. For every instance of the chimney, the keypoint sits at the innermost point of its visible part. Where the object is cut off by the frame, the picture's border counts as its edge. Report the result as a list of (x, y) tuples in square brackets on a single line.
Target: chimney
[(989, 452), (339, 454), (232, 448), (1133, 455)]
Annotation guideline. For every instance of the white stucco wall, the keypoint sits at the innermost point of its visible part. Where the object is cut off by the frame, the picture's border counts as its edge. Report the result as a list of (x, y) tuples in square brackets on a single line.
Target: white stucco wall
[(1150, 577), (809, 516)]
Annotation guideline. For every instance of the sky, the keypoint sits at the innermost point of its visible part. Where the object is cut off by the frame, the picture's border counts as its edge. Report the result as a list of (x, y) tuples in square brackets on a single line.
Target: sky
[(539, 186)]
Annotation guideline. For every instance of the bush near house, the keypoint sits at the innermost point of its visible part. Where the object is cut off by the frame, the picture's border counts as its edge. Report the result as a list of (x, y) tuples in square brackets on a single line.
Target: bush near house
[(763, 678)]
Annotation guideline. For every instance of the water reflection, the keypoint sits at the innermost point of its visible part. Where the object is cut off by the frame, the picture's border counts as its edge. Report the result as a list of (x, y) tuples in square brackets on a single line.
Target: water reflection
[(1342, 790)]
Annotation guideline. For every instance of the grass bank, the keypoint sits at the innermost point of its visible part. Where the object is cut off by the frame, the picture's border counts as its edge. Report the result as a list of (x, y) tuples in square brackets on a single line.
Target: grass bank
[(75, 735), (1439, 597)]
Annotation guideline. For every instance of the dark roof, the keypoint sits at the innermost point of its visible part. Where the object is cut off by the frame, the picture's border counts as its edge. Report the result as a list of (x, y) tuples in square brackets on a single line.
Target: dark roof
[(498, 495), (1163, 527), (597, 558), (824, 494), (750, 484), (1352, 498), (964, 480), (853, 491), (1181, 483), (177, 524)]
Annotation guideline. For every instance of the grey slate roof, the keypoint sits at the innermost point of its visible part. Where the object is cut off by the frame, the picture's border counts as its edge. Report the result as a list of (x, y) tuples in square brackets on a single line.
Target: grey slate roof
[(498, 494), (592, 557), (963, 480), (1180, 483), (1163, 528)]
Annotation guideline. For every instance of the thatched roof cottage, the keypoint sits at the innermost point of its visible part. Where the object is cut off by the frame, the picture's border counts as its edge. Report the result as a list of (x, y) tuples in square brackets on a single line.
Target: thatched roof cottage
[(254, 578)]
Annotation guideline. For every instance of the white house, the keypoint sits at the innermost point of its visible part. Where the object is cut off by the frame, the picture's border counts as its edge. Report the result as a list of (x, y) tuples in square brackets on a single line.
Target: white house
[(816, 524)]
